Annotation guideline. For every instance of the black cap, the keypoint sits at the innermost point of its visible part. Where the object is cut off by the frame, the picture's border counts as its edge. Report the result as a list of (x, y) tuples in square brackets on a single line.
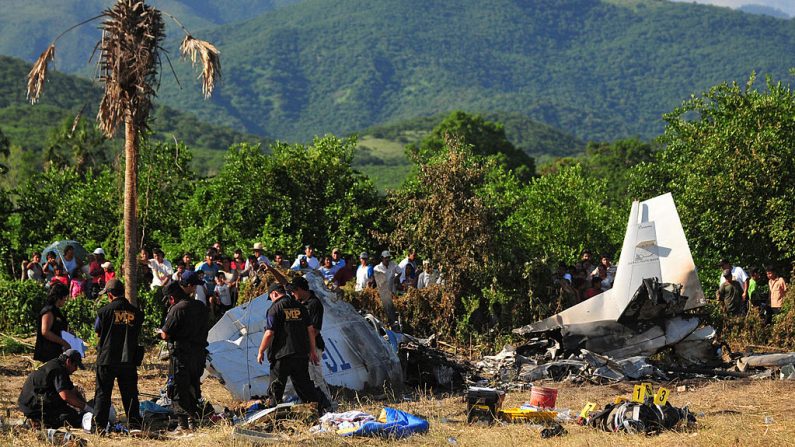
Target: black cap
[(113, 286), (173, 289), (190, 278), (276, 287), (74, 356), (301, 283)]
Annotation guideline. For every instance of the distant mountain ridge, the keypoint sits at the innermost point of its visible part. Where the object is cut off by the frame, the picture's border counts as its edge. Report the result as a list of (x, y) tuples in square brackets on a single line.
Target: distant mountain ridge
[(764, 10), (598, 69)]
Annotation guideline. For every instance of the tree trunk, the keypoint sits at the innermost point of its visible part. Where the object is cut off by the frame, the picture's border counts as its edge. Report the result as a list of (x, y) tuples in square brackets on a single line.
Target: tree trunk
[(130, 211)]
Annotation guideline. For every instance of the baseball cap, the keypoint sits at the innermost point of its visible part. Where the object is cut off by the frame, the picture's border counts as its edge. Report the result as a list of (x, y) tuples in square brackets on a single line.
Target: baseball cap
[(113, 286), (258, 246), (106, 265), (363, 255), (300, 282), (386, 254), (567, 277), (190, 278), (175, 290), (74, 356), (99, 251), (275, 287), (727, 273), (336, 250)]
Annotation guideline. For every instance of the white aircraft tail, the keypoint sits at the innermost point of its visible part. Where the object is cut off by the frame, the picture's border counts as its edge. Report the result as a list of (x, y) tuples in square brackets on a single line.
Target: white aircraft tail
[(654, 247)]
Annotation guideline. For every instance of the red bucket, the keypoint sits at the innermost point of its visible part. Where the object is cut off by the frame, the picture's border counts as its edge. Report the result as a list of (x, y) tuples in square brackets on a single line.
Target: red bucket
[(543, 397)]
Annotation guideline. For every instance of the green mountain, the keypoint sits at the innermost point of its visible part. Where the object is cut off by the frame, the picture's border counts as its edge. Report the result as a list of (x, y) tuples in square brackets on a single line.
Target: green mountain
[(64, 96), (600, 69), (28, 26)]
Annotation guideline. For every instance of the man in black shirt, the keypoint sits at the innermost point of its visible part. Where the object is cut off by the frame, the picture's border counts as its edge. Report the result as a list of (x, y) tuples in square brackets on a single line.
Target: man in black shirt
[(118, 325), (314, 307), (186, 329), (289, 340), (48, 390)]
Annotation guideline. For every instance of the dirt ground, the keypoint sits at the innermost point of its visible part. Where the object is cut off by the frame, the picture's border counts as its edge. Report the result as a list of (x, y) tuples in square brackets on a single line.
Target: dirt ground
[(737, 412)]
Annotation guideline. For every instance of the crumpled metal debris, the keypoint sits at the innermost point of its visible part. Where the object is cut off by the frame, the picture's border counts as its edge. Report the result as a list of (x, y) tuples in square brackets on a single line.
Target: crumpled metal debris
[(425, 364), (514, 370)]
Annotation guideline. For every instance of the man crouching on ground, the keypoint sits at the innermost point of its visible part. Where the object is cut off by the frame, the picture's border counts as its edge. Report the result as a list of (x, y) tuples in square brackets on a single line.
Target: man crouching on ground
[(48, 393)]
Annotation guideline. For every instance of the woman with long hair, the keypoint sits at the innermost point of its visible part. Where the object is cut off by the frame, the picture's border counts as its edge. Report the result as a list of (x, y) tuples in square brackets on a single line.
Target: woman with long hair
[(52, 321)]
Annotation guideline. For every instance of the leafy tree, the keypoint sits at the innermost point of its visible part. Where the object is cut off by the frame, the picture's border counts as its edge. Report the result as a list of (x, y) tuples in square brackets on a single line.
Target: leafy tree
[(79, 144), (295, 195), (728, 160), (5, 150), (165, 184), (562, 213), (611, 163), (62, 203), (485, 137), (440, 213), (129, 60)]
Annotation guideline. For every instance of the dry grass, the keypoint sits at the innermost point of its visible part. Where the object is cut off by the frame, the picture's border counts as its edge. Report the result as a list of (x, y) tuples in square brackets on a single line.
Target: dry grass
[(729, 413)]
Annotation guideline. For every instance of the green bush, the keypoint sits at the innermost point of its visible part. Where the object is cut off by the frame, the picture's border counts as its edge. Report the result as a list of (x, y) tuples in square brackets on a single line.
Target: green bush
[(21, 305), (82, 313), (150, 302)]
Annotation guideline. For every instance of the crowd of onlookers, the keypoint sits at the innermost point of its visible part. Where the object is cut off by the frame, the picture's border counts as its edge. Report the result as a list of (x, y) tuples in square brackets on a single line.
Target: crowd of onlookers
[(222, 273), (739, 292), (585, 279)]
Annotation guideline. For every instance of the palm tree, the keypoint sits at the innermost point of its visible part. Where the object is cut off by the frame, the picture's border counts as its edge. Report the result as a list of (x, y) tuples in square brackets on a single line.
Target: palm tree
[(129, 62)]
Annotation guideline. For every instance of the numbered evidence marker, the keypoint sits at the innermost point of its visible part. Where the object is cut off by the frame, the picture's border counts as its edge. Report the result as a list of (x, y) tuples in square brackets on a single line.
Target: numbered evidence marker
[(639, 393), (649, 389), (662, 396), (589, 407)]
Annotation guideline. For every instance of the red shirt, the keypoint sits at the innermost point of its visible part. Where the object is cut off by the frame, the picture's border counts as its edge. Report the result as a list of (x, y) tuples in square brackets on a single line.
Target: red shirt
[(591, 292), (61, 279), (96, 272), (109, 276), (343, 276)]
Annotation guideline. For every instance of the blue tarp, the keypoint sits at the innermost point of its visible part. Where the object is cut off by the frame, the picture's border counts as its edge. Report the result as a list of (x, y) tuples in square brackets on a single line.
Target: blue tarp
[(391, 423)]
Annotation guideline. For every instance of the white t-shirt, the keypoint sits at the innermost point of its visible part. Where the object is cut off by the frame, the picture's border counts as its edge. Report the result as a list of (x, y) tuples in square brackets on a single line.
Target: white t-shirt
[(313, 263), (385, 276), (223, 294), (159, 270), (363, 274), (738, 274), (201, 294)]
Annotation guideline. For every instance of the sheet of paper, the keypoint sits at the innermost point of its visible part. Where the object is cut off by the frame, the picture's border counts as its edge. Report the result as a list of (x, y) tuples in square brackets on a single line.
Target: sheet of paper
[(75, 342)]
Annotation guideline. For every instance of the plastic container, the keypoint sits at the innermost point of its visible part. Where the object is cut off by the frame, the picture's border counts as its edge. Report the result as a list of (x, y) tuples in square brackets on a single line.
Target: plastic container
[(542, 397)]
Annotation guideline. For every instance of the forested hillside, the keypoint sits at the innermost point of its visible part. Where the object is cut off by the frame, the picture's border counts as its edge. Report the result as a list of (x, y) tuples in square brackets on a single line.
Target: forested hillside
[(28, 26), (598, 69), (30, 128)]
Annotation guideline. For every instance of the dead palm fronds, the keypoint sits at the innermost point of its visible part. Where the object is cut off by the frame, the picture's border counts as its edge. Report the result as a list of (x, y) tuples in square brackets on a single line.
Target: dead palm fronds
[(210, 59), (38, 74), (128, 64)]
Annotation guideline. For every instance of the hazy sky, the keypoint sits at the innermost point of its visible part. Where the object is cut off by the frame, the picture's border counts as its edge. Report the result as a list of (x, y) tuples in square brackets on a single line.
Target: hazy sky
[(787, 6)]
